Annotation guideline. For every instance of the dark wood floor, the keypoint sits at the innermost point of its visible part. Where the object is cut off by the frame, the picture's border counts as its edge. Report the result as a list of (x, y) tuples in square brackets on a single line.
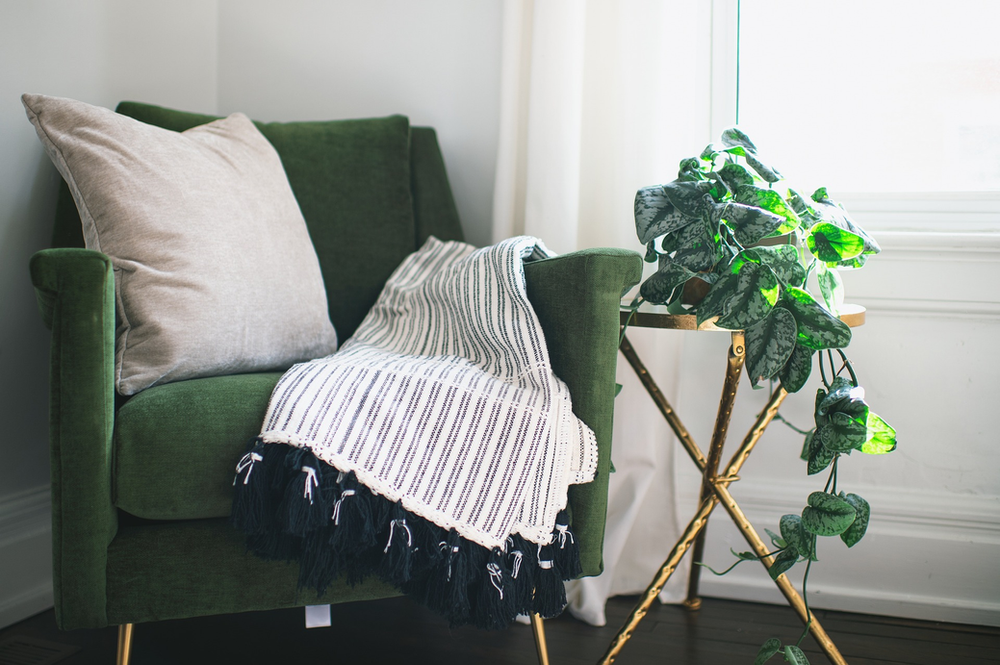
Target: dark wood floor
[(398, 631)]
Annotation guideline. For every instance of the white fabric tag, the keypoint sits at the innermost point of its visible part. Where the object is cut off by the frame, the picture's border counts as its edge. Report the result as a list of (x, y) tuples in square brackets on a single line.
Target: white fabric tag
[(317, 616)]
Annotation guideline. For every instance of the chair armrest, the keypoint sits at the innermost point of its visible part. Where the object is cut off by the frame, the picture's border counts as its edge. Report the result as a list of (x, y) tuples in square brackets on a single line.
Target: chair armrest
[(76, 296), (577, 298)]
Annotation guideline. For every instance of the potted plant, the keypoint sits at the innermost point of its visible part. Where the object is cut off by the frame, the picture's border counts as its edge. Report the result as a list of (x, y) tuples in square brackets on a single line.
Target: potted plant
[(736, 246)]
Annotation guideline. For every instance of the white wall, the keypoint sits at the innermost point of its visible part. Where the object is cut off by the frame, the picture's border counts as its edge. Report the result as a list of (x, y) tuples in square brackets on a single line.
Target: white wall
[(437, 62)]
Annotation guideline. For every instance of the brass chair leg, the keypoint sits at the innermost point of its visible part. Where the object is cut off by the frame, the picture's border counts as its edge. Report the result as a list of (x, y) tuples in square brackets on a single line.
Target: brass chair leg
[(124, 644), (538, 628)]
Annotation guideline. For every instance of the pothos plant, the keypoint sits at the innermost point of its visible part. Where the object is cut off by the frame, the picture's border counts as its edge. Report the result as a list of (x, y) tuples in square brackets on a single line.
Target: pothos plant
[(735, 244)]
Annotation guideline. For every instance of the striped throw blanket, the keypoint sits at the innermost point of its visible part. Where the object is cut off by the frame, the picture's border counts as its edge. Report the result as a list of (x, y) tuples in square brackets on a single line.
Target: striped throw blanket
[(433, 450)]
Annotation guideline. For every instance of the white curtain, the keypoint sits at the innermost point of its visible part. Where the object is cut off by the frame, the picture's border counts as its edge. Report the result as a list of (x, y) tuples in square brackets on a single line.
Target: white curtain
[(599, 98)]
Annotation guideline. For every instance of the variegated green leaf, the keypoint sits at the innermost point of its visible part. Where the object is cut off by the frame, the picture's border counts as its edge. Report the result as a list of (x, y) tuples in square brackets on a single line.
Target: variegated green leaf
[(856, 531), (784, 261), (796, 371), (769, 343), (767, 651), (776, 540), (832, 288), (764, 171), (820, 457), (803, 207), (833, 244), (692, 199), (690, 170), (783, 562), (661, 284), (736, 137), (843, 433), (736, 176), (720, 190), (827, 514), (655, 215), (817, 328), (712, 151), (858, 261), (709, 153), (830, 211), (820, 416), (749, 224), (795, 656), (881, 437), (651, 254), (713, 302), (668, 243), (807, 445), (698, 248), (756, 292), (770, 200), (841, 390), (797, 537)]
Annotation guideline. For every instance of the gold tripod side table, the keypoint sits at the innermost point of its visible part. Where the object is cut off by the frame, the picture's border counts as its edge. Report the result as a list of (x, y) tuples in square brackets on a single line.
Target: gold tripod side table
[(715, 484)]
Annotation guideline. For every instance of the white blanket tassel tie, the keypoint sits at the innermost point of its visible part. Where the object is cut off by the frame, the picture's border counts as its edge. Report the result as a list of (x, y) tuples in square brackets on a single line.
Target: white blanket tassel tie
[(336, 506), (402, 525), (496, 577), (516, 567), (564, 535), (312, 481), (246, 462)]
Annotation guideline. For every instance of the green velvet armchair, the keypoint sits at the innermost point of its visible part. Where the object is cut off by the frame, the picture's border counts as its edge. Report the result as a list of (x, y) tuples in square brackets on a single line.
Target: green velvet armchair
[(141, 494)]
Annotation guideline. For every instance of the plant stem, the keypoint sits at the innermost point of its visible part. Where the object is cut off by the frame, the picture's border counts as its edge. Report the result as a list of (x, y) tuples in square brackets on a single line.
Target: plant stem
[(809, 269), (850, 368), (714, 571), (822, 371), (632, 308), (832, 479), (778, 416), (805, 600)]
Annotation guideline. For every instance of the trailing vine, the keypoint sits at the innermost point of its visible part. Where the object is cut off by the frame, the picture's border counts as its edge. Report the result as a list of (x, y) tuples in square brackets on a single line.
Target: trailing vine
[(733, 249)]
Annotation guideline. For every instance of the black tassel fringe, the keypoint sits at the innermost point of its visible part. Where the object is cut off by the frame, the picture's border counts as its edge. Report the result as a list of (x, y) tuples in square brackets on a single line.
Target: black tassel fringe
[(294, 507)]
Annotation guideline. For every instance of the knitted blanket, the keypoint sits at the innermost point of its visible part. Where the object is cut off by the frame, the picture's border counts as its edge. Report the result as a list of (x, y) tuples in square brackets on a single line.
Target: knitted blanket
[(433, 450)]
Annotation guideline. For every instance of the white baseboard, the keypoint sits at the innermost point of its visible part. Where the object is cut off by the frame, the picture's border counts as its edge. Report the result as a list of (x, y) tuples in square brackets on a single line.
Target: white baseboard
[(926, 555), (25, 555), (761, 589)]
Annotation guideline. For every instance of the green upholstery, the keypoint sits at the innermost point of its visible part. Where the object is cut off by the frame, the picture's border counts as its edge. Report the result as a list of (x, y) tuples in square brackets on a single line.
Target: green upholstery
[(152, 576), (176, 445), (76, 295), (141, 487)]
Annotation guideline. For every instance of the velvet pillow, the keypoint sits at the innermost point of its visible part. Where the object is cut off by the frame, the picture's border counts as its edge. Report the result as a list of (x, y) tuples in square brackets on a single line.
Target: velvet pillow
[(215, 272)]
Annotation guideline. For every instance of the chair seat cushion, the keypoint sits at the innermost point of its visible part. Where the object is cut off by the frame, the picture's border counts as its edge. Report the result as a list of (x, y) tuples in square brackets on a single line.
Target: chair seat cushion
[(177, 444)]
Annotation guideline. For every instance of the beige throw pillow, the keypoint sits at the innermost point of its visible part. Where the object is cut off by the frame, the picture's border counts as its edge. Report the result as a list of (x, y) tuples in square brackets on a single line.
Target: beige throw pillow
[(214, 269)]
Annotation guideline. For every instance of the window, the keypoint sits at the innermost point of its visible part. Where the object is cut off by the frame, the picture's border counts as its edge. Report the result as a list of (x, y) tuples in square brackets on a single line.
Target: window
[(894, 106)]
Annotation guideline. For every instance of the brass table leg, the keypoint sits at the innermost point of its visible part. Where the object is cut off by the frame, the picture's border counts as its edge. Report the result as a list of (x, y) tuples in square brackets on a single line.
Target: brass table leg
[(697, 523), (793, 597), (714, 490), (734, 369)]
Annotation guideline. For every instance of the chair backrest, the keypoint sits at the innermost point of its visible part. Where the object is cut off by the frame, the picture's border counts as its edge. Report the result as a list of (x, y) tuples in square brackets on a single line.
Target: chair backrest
[(371, 192)]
